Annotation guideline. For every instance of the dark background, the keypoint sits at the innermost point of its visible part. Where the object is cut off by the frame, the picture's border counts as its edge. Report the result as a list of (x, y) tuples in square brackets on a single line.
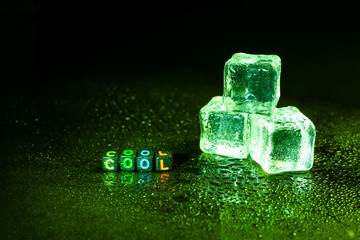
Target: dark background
[(82, 78), (318, 42)]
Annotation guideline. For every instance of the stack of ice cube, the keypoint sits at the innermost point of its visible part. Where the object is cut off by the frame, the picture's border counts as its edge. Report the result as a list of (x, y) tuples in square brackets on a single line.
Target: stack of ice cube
[(245, 120)]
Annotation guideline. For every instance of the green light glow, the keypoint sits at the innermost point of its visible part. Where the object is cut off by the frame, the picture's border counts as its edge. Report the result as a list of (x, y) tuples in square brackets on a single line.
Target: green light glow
[(111, 154), (128, 152), (128, 178), (109, 179), (127, 162)]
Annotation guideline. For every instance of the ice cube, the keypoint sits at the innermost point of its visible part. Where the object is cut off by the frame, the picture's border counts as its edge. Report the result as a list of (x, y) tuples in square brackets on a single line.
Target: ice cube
[(252, 83), (223, 132), (283, 141)]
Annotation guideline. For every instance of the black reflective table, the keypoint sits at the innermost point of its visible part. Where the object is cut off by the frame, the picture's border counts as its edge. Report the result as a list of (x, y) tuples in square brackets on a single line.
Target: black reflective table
[(53, 186)]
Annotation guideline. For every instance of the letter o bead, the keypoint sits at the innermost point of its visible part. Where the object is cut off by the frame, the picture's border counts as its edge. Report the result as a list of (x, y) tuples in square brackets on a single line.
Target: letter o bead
[(144, 160), (110, 161), (127, 160)]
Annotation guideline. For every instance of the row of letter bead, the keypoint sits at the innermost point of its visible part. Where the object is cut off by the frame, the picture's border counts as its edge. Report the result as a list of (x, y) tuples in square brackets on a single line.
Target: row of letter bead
[(143, 160)]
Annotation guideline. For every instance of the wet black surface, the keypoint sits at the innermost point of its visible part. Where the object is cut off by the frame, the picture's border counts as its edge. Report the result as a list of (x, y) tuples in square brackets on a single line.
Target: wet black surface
[(53, 185), (79, 80)]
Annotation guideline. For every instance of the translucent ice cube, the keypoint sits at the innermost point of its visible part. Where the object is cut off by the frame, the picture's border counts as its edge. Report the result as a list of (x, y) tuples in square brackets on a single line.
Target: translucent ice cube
[(252, 83), (223, 132), (283, 141)]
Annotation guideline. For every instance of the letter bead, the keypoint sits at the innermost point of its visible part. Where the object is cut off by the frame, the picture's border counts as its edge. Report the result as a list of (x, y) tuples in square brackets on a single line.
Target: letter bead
[(127, 160), (144, 160), (110, 161), (163, 161)]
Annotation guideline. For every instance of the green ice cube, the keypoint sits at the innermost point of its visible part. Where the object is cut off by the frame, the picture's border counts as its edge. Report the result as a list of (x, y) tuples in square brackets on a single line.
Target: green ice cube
[(223, 132), (283, 141), (252, 83)]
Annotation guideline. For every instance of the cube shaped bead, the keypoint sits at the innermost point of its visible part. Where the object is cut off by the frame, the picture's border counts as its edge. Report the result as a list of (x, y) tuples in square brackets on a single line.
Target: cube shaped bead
[(144, 160), (163, 161), (110, 161), (127, 160)]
